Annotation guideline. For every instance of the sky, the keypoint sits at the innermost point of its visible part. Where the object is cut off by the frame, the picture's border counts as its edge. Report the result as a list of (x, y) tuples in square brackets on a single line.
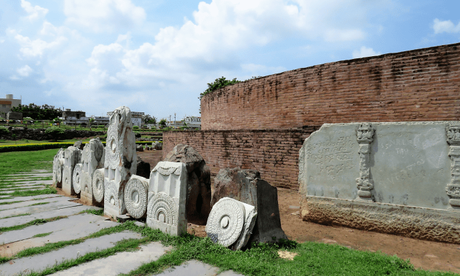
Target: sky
[(157, 56)]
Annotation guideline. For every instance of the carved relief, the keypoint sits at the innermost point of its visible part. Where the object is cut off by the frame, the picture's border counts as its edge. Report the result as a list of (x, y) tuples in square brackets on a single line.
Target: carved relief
[(98, 185), (76, 178), (365, 136), (135, 194), (58, 166), (453, 188)]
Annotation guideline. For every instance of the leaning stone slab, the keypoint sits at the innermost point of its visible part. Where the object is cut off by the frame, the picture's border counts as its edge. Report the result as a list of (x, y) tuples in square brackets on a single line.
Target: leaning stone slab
[(167, 197), (58, 167), (122, 262), (412, 166), (72, 157), (230, 223), (136, 196), (42, 261), (120, 161), (92, 158)]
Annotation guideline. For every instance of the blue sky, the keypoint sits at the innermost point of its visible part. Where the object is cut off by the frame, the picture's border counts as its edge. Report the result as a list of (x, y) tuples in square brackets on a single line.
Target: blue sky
[(158, 56)]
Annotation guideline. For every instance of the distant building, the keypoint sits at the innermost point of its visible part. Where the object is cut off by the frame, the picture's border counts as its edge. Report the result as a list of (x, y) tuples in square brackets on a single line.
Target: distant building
[(7, 103), (193, 122), (101, 120), (73, 118), (136, 117)]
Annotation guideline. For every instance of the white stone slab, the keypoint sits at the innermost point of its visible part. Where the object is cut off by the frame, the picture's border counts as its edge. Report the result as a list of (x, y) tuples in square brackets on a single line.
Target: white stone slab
[(37, 208), (40, 262), (30, 202), (136, 196), (72, 157), (58, 167), (92, 159), (196, 268), (122, 262), (24, 198), (167, 198)]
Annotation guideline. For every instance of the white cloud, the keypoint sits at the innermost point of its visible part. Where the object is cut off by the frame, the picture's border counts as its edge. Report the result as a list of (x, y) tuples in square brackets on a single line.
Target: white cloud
[(24, 71), (35, 12), (445, 26), (365, 52), (36, 47), (103, 15)]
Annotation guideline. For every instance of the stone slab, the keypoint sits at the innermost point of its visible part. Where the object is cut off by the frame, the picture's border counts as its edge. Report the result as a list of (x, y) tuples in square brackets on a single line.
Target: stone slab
[(30, 202), (21, 188), (38, 208), (195, 268), (65, 229), (40, 262), (26, 183), (25, 198), (122, 262)]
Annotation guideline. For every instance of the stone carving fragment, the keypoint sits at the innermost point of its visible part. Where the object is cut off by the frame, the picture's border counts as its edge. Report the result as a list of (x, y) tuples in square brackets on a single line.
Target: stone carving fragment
[(230, 223), (76, 179), (58, 167), (92, 158), (72, 157), (120, 160), (453, 188), (136, 196), (98, 186), (364, 135), (167, 197)]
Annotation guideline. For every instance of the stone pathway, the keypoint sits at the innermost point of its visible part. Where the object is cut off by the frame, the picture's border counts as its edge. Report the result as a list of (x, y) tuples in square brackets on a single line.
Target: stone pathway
[(67, 222)]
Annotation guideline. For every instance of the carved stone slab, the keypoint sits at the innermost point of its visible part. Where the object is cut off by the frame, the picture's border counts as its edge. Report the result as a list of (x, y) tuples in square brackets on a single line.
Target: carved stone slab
[(71, 158), (98, 186), (120, 160), (167, 198), (76, 178), (92, 158), (230, 223), (58, 167), (136, 196), (405, 163)]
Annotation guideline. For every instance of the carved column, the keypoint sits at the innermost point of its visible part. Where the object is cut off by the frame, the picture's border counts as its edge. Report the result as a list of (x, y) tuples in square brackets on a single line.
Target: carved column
[(364, 135), (453, 188)]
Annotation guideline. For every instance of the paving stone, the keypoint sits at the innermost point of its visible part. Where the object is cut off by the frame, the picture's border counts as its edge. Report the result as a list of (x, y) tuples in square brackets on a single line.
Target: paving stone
[(24, 198), (21, 188), (37, 209), (195, 268), (26, 183), (42, 261), (30, 202), (122, 262)]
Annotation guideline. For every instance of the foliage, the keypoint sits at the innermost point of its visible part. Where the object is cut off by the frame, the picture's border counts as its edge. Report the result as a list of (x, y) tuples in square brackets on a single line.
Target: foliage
[(135, 127), (55, 132), (149, 119), (217, 84), (3, 130), (162, 123), (44, 112)]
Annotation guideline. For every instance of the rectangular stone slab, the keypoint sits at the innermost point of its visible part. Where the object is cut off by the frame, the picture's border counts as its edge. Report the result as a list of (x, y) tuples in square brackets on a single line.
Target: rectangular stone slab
[(40, 262), (24, 198), (37, 208), (30, 202)]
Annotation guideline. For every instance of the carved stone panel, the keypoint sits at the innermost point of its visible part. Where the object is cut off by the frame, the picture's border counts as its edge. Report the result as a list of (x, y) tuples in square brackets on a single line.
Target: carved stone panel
[(76, 179), (92, 159), (453, 188), (167, 198), (97, 186), (136, 196), (72, 157), (58, 167)]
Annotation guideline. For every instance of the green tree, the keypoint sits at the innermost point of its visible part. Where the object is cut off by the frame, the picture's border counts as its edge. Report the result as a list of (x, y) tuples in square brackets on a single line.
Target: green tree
[(147, 119), (162, 123), (43, 112), (217, 84), (91, 121)]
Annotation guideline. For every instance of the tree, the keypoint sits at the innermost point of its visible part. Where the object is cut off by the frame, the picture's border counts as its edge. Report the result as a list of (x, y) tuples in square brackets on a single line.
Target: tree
[(44, 112), (162, 123), (217, 84), (57, 121), (147, 119), (91, 121)]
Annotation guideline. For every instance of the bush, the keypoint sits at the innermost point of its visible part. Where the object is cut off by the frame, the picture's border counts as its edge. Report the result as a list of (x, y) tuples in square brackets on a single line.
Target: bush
[(3, 131), (135, 127), (217, 84), (55, 132)]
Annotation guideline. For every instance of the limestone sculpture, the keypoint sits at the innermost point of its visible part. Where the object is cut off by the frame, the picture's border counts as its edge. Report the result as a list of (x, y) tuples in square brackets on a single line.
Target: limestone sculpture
[(72, 158), (58, 167), (120, 160), (230, 223), (136, 192), (92, 158), (167, 197)]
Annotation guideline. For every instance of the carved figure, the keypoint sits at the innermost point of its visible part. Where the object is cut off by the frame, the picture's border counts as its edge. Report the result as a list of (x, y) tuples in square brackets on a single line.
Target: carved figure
[(120, 160), (230, 223), (364, 135), (167, 197), (92, 158), (136, 192), (453, 188), (72, 157)]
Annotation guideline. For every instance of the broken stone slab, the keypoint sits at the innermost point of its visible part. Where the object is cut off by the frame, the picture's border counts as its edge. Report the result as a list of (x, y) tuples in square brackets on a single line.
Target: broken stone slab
[(79, 144), (76, 178), (167, 197), (246, 186), (42, 261), (230, 223), (72, 157), (72, 227), (136, 196), (92, 159), (37, 208), (98, 189), (157, 146), (120, 161), (122, 262), (58, 167), (196, 268), (198, 182)]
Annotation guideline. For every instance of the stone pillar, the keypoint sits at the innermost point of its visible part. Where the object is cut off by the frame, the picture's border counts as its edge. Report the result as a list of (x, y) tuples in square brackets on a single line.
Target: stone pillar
[(453, 188), (364, 135)]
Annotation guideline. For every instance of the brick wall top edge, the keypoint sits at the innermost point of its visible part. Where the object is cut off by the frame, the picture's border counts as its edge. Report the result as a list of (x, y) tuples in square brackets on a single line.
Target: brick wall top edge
[(307, 130)]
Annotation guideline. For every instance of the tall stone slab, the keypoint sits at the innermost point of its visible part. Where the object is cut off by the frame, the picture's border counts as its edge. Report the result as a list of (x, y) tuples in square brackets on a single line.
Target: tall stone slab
[(92, 158), (120, 160), (72, 157), (406, 174), (167, 198), (58, 168)]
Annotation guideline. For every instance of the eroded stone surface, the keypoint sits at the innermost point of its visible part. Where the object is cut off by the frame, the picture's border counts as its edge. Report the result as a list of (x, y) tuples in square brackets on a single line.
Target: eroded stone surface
[(136, 196), (120, 161), (92, 159), (230, 223), (72, 157), (58, 167), (167, 197)]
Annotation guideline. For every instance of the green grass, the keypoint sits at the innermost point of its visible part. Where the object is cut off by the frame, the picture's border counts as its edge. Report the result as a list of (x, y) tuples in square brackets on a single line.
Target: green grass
[(34, 222), (26, 161), (11, 202), (42, 235), (19, 215), (99, 212)]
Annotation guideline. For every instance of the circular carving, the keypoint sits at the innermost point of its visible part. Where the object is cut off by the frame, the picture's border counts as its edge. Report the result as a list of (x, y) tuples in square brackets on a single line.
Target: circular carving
[(225, 222), (162, 209), (76, 178), (136, 197), (98, 185), (113, 156)]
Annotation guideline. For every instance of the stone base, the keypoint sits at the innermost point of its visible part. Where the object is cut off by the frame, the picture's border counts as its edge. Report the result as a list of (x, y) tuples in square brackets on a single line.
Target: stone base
[(415, 222)]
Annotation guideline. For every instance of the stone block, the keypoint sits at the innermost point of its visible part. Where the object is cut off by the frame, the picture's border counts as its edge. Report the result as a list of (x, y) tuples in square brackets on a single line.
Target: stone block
[(92, 159), (97, 186), (58, 168), (136, 196), (120, 161), (230, 223), (76, 179), (167, 198), (71, 158)]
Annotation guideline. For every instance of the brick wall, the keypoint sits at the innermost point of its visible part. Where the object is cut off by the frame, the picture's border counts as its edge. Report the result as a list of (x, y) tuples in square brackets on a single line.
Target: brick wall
[(274, 153), (418, 85)]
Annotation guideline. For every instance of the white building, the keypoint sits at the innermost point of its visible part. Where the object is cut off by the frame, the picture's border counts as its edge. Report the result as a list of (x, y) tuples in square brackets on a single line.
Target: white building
[(7, 103)]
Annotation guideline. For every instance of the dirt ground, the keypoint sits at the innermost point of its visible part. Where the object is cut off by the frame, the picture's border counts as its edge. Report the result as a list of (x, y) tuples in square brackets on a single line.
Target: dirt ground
[(427, 255)]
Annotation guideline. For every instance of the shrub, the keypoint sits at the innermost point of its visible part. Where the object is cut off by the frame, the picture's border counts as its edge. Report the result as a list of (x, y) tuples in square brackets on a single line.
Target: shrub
[(55, 132), (3, 131), (135, 127)]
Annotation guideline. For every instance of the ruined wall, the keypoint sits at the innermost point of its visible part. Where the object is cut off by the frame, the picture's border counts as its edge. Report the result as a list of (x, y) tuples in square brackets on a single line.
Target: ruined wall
[(418, 85), (274, 153)]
